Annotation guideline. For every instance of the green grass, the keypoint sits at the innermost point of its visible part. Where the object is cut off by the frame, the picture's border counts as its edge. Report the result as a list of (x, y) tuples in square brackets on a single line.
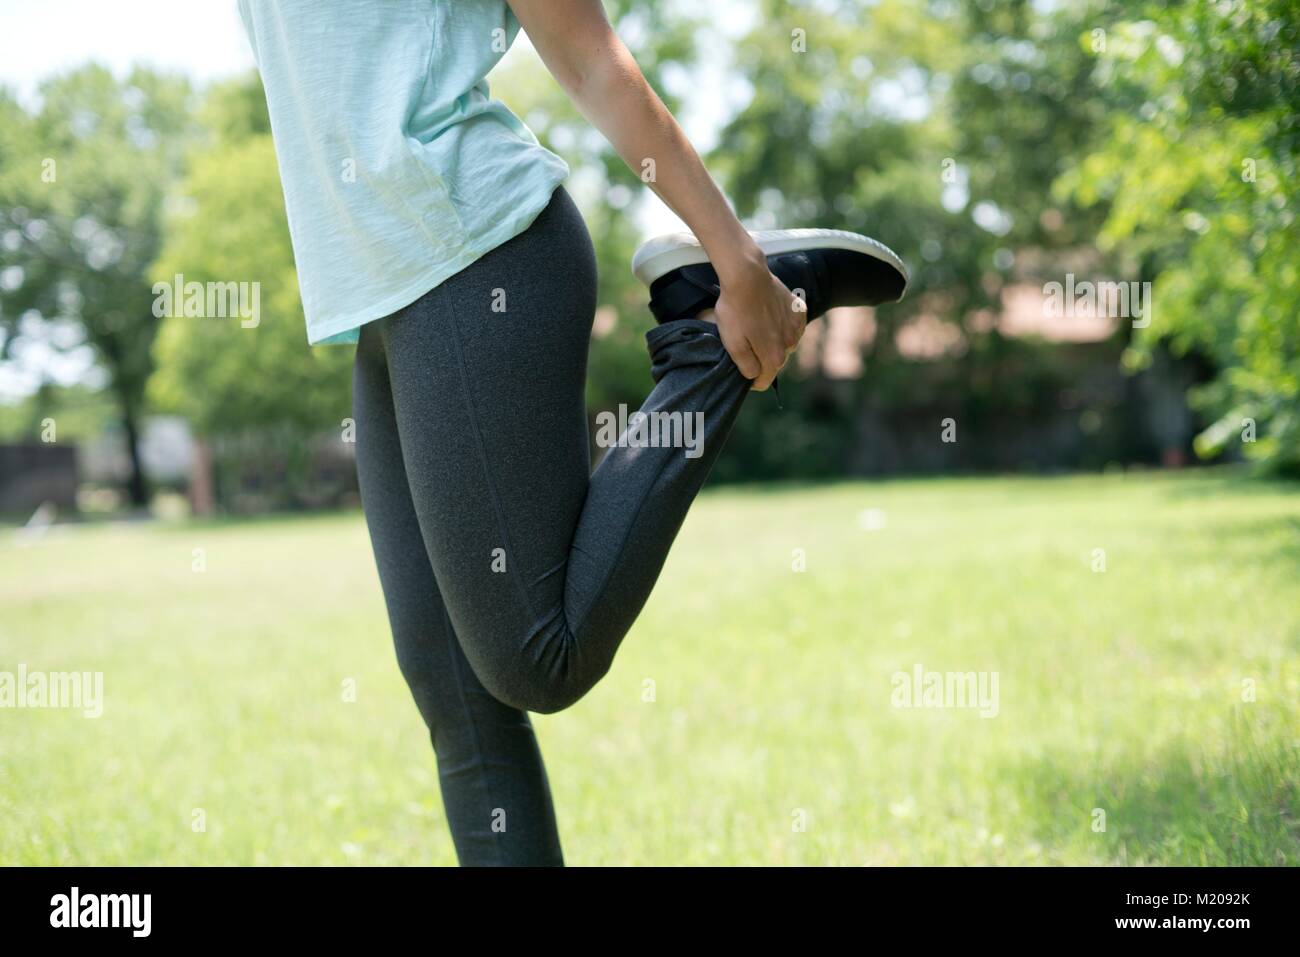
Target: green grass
[(1119, 690)]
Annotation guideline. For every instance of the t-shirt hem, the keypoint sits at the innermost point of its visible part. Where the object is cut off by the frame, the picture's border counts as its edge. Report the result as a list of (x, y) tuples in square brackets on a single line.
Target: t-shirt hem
[(345, 330)]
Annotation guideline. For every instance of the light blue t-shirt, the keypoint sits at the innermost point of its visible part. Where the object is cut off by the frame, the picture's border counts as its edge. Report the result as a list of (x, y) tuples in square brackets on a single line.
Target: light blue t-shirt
[(399, 169)]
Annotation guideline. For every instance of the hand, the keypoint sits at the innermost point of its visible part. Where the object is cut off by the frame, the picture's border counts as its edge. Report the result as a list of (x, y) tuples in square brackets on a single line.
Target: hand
[(759, 320)]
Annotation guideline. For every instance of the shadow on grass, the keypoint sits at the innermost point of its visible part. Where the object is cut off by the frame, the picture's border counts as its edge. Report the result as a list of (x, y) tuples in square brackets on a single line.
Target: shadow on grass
[(1184, 804)]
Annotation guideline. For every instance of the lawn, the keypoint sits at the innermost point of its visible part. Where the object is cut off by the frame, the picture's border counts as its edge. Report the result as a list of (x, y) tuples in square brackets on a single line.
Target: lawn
[(1147, 713)]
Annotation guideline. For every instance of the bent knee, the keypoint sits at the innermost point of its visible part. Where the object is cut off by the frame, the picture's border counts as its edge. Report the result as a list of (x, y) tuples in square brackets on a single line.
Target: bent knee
[(528, 691), (542, 687)]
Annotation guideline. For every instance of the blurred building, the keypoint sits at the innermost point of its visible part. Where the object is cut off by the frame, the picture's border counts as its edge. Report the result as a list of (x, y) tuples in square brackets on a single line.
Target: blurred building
[(35, 473)]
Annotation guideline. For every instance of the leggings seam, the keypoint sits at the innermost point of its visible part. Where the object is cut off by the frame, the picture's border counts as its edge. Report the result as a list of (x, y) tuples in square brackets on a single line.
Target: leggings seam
[(621, 551)]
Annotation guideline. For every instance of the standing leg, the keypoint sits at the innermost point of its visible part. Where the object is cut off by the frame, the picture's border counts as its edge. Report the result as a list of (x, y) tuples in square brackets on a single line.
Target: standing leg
[(494, 786)]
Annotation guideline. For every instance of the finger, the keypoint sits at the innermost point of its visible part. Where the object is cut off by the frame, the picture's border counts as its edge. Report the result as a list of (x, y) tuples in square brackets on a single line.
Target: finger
[(772, 357), (742, 355), (747, 362), (793, 332)]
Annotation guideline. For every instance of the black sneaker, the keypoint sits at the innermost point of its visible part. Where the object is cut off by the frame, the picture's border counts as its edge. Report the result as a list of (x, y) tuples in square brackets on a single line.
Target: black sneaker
[(825, 267)]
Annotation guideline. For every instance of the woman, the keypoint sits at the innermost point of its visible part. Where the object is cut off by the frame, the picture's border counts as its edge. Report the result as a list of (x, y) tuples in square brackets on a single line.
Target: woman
[(431, 229)]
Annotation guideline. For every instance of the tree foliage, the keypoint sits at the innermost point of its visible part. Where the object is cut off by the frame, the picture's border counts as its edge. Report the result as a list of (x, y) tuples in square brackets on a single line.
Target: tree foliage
[(1197, 170), (228, 225), (82, 182)]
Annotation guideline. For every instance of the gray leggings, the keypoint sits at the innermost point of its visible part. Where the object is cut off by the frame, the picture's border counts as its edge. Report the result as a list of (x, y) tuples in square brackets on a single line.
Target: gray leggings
[(511, 572)]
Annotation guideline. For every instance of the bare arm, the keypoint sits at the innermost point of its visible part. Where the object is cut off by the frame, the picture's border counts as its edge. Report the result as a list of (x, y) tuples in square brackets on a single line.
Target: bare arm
[(757, 318)]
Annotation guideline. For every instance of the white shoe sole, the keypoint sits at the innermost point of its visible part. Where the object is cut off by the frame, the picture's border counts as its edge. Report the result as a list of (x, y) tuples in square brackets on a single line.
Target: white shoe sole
[(661, 255)]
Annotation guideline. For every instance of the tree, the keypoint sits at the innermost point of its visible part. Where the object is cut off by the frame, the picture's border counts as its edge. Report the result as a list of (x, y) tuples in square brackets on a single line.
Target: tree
[(1198, 172), (227, 375), (256, 385), (82, 182), (851, 124)]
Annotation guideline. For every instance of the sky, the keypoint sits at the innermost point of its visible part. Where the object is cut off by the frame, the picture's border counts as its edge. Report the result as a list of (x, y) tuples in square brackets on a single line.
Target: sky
[(202, 38)]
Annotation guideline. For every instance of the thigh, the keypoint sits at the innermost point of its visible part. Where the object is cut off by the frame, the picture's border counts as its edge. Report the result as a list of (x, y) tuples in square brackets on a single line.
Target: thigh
[(493, 783), (488, 374), (425, 647)]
